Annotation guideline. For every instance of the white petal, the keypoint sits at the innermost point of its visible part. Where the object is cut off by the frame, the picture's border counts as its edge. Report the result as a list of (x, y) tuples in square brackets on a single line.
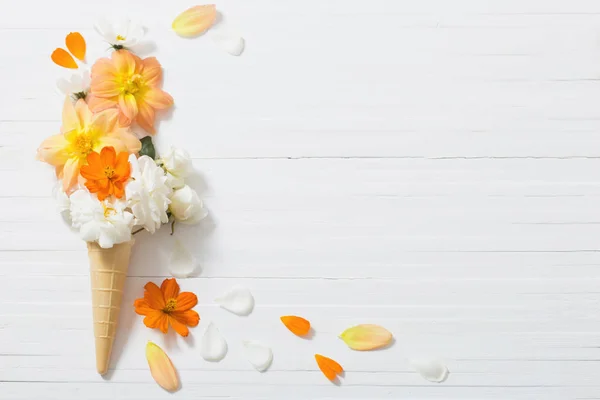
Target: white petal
[(182, 264), (238, 300), (232, 44), (432, 370), (104, 28), (259, 355), (64, 86), (213, 347)]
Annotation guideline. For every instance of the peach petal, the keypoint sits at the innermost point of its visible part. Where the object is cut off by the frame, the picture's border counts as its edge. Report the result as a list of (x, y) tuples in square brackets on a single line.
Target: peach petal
[(161, 368), (83, 112), (70, 174), (366, 337), (105, 88), (103, 67), (145, 117), (53, 150), (128, 106), (158, 99), (195, 21), (98, 104), (151, 71), (123, 62)]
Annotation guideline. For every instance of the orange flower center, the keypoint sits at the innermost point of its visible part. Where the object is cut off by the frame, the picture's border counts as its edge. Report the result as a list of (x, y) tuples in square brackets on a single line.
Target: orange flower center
[(109, 172), (170, 306), (133, 84)]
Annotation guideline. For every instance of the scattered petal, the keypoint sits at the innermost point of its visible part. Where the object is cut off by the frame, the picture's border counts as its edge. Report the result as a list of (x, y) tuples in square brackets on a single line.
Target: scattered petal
[(161, 368), (76, 45), (213, 347), (366, 337), (430, 369), (238, 300), (195, 21), (328, 367), (232, 44), (297, 325), (182, 264), (63, 59), (259, 355)]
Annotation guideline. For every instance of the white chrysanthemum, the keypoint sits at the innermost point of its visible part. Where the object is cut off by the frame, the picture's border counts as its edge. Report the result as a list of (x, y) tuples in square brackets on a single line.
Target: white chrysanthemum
[(148, 193), (124, 33), (178, 165), (104, 222), (77, 86), (63, 203)]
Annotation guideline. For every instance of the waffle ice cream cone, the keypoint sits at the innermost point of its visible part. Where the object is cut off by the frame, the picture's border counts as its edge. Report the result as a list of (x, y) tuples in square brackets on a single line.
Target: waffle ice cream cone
[(108, 270)]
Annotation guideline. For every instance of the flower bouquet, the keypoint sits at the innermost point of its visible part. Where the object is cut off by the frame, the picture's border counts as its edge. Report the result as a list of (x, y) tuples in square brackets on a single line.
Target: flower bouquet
[(112, 184)]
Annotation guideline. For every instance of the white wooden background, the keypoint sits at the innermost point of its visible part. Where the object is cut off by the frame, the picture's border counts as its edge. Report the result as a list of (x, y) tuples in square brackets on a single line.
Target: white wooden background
[(430, 166)]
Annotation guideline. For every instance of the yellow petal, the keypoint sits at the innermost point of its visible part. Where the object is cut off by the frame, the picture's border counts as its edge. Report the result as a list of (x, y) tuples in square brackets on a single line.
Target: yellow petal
[(161, 368), (195, 21), (366, 337)]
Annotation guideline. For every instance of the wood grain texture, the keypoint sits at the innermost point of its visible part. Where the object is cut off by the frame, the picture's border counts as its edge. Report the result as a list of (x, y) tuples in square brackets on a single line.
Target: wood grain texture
[(431, 166)]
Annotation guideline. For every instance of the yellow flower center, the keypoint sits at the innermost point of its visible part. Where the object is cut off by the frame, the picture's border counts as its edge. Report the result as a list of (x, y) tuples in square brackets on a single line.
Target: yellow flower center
[(121, 38), (108, 211), (109, 171), (83, 144), (170, 306), (133, 85)]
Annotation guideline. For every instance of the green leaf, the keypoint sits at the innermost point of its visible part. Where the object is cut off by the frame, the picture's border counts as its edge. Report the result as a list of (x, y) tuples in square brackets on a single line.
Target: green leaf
[(147, 147)]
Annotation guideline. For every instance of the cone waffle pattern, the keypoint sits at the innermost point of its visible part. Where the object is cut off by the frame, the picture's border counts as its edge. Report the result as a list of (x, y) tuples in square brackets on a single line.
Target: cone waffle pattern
[(108, 271)]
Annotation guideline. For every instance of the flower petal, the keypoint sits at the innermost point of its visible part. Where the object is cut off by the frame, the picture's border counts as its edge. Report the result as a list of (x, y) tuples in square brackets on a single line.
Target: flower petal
[(70, 120), (195, 21), (366, 337), (97, 104), (128, 106), (124, 62), (170, 289), (329, 367), (161, 368), (182, 264), (259, 355), (179, 326), (157, 320), (53, 150), (297, 325), (151, 71), (158, 99), (231, 43), (76, 45), (145, 117), (63, 59), (238, 300), (213, 346), (154, 296), (70, 174), (142, 307), (189, 317), (430, 369)]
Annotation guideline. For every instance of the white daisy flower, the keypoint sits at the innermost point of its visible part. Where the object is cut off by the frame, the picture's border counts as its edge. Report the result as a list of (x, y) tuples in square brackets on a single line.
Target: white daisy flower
[(76, 86), (148, 193), (125, 33), (104, 222)]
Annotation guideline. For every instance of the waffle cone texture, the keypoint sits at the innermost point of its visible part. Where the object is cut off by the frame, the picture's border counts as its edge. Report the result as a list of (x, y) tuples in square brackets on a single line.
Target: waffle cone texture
[(108, 271)]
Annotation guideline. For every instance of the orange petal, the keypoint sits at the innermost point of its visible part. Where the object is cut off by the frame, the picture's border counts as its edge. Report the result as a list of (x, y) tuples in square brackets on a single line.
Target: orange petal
[(142, 307), (179, 326), (297, 325), (145, 117), (195, 21), (63, 59), (189, 317), (124, 62), (186, 301), (128, 107), (170, 288), (108, 156), (76, 44), (157, 320), (151, 71), (154, 296), (161, 368), (329, 367), (366, 337)]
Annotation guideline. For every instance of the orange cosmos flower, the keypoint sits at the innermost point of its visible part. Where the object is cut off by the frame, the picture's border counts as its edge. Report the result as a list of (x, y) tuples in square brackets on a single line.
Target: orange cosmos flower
[(166, 306), (131, 85), (107, 172), (82, 133)]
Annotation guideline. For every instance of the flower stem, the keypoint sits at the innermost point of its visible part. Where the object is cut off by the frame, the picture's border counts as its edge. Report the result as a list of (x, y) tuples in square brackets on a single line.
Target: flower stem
[(139, 230), (173, 227)]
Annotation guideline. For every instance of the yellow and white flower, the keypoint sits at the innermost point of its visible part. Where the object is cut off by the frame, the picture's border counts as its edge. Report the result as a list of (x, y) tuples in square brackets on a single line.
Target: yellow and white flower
[(122, 34)]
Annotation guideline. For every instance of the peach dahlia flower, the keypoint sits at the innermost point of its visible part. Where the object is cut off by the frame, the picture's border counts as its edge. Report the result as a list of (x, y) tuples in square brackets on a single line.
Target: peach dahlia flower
[(131, 85), (81, 134)]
